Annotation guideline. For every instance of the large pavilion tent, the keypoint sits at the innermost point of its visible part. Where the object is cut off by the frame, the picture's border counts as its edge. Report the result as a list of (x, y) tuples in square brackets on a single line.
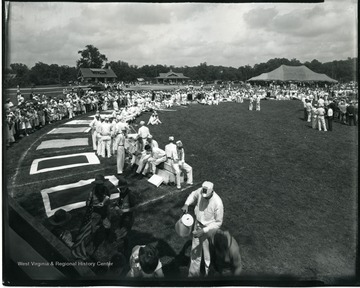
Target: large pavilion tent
[(293, 73)]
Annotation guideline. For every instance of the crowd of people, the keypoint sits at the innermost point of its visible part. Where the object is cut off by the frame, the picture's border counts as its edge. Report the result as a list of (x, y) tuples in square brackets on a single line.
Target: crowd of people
[(39, 110), (323, 111), (113, 135)]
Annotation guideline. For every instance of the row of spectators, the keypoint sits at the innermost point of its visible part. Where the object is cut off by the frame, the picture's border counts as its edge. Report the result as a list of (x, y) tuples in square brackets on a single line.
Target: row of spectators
[(40, 110)]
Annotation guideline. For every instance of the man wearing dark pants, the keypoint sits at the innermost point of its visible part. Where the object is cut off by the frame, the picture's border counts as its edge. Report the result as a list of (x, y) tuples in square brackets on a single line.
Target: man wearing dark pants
[(350, 113)]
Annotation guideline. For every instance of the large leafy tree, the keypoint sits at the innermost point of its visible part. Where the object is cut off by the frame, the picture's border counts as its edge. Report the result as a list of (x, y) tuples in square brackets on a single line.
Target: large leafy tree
[(90, 58), (22, 74)]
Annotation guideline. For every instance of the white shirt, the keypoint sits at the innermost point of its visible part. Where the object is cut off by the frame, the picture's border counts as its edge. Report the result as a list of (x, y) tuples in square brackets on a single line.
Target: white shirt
[(209, 212), (153, 144), (321, 111), (105, 129), (158, 153), (330, 112), (171, 151), (144, 132)]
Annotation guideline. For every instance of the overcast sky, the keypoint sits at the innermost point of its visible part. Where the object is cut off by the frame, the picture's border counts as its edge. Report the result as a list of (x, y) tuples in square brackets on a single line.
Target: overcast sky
[(182, 34)]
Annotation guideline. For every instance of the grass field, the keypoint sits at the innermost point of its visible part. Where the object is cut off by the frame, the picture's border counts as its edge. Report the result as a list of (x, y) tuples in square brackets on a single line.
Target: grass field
[(289, 191)]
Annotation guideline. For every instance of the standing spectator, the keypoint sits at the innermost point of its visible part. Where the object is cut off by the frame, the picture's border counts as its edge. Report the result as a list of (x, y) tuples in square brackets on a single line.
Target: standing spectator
[(303, 99), (350, 114), (209, 212), (182, 164), (356, 111), (120, 157), (251, 100), (314, 115), (258, 102), (342, 108), (321, 118), (330, 116), (309, 109)]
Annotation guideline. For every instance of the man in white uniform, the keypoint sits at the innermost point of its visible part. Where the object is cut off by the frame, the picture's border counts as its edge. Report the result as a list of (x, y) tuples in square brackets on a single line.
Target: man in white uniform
[(98, 136), (143, 131), (157, 156), (106, 138), (93, 130), (120, 157), (321, 118), (173, 159), (152, 142), (182, 164), (209, 212)]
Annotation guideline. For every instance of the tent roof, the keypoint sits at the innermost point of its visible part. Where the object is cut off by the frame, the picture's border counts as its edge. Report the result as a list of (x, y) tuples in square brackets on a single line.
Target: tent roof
[(97, 72), (292, 73)]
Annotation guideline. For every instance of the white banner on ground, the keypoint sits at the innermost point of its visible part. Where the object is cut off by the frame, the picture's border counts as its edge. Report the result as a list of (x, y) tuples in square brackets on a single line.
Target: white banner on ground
[(62, 143), (45, 195), (78, 122), (92, 159), (67, 130)]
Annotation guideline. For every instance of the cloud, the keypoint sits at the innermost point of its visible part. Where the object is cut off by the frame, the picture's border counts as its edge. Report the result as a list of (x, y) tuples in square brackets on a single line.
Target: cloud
[(182, 34), (257, 18)]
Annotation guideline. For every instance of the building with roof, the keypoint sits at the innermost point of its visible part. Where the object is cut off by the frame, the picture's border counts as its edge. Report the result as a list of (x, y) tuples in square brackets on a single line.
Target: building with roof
[(96, 75), (293, 73), (171, 77)]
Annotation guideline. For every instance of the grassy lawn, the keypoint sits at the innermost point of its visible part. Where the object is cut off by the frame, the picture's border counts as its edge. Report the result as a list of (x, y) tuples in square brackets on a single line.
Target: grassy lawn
[(289, 191)]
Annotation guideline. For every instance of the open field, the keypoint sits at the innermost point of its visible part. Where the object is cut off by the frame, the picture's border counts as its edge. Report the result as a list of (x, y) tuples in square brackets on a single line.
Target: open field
[(289, 191)]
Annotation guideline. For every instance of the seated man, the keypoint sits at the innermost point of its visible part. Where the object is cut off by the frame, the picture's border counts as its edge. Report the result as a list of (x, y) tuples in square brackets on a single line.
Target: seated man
[(182, 164), (143, 162), (157, 156)]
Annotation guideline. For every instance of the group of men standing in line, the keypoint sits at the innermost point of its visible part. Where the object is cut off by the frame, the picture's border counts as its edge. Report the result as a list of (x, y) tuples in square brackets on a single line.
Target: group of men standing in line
[(324, 111), (109, 138)]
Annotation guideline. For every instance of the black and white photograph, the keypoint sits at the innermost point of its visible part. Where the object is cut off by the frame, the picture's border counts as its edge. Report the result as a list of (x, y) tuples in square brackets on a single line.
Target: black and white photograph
[(180, 143)]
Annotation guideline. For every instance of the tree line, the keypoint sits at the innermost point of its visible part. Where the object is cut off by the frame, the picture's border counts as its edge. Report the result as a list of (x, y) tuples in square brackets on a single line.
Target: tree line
[(53, 74)]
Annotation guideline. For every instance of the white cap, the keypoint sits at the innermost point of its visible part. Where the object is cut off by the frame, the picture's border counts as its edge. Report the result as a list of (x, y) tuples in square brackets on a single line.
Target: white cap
[(171, 138), (142, 122), (209, 186)]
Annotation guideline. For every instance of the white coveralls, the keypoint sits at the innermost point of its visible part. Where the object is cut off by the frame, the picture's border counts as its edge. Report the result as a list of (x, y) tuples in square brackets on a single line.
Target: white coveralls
[(106, 139), (157, 156), (183, 165), (93, 132), (99, 141), (209, 215), (173, 160), (321, 118), (120, 157)]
